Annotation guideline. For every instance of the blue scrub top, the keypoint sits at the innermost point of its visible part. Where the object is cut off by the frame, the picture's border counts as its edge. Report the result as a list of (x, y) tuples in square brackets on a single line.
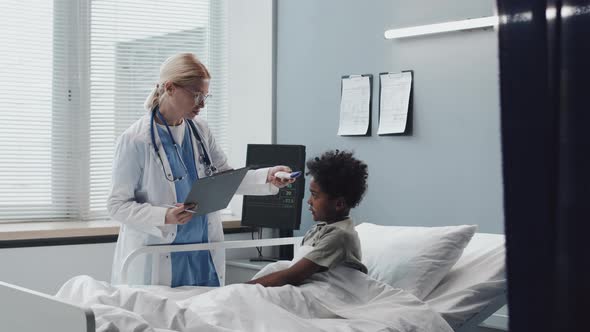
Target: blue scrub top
[(191, 268)]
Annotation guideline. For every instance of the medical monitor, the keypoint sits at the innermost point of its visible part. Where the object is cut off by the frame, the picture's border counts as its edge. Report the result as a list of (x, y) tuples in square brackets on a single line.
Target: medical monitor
[(281, 211)]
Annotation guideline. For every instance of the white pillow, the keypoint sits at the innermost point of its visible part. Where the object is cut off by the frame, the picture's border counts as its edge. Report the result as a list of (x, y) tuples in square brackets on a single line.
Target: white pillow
[(415, 259)]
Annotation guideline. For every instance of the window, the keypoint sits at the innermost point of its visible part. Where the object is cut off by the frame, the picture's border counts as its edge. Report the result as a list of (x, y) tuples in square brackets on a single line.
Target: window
[(75, 79)]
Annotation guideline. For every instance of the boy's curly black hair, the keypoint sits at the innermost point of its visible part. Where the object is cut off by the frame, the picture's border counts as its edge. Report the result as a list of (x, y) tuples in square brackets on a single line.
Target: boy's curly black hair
[(339, 174)]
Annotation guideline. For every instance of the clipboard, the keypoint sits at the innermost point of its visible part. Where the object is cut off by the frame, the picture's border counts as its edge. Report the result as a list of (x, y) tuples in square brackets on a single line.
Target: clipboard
[(370, 76), (410, 115), (214, 193)]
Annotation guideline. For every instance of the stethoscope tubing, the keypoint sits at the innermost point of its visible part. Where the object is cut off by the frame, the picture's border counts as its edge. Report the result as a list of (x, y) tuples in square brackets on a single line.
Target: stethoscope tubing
[(209, 168)]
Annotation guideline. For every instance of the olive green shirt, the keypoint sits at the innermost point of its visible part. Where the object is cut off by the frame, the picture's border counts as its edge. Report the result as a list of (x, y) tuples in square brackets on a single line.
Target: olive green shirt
[(334, 244)]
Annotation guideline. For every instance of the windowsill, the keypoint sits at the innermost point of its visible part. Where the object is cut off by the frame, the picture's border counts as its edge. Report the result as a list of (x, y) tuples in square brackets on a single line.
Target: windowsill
[(106, 231), (52, 230)]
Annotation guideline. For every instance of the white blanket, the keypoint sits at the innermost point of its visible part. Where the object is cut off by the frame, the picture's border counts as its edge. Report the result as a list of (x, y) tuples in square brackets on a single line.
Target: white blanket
[(342, 299)]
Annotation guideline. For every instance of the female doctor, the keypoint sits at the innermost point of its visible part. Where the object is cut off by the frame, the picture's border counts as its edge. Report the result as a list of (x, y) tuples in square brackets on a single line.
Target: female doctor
[(156, 161)]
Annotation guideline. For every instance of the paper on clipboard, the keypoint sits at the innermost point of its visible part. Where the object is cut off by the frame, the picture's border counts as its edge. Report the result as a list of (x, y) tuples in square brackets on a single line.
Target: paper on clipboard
[(354, 106), (394, 102), (214, 193)]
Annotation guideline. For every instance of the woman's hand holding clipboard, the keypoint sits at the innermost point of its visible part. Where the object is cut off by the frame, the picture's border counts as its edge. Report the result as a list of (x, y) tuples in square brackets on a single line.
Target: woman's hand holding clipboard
[(179, 214)]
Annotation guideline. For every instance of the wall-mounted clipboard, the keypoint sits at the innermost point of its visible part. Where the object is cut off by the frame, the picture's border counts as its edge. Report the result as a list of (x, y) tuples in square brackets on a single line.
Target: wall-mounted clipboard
[(355, 105), (394, 101)]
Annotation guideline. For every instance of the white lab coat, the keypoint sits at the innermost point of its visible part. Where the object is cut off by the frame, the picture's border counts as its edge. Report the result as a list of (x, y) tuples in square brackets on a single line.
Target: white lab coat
[(139, 190)]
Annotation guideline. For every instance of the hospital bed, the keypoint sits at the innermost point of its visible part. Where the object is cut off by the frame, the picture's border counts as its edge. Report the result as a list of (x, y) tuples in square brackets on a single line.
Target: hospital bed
[(472, 291)]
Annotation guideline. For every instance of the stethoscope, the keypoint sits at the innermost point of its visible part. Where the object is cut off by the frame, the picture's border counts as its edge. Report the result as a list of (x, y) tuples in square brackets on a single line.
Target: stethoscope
[(203, 154)]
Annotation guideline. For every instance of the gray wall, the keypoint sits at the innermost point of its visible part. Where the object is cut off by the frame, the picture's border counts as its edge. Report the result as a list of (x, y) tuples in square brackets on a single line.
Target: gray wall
[(449, 171)]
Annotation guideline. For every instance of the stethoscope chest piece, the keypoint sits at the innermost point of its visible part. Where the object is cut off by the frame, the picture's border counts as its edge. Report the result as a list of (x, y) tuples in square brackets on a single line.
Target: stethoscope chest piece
[(209, 170)]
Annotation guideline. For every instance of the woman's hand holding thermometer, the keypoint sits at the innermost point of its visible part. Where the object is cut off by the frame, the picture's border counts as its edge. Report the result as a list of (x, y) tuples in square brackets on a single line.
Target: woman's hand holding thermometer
[(287, 175), (281, 176)]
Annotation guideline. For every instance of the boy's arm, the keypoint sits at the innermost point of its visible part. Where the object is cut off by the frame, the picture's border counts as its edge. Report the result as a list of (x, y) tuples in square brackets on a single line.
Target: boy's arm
[(294, 275)]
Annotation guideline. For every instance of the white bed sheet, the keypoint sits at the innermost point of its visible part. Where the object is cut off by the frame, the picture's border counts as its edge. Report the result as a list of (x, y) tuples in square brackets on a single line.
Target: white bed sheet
[(342, 299), (474, 281)]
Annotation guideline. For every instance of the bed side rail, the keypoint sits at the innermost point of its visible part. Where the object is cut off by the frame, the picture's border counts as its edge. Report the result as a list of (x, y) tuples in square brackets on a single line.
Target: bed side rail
[(494, 305), (159, 249), (25, 310)]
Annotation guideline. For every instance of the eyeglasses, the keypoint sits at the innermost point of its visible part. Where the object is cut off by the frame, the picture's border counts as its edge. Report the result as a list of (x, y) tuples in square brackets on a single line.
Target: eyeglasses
[(199, 96)]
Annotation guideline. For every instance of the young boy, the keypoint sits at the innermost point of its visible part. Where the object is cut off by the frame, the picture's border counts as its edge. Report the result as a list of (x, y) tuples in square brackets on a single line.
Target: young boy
[(338, 183)]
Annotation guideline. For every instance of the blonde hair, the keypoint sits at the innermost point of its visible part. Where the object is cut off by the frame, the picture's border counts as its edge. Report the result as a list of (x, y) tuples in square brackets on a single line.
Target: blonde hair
[(183, 69)]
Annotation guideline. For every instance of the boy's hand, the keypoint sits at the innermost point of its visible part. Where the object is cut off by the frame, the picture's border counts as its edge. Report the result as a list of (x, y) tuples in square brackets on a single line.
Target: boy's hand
[(295, 275)]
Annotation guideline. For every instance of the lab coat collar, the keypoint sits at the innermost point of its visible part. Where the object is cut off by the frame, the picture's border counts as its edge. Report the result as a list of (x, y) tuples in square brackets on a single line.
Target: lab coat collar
[(146, 128)]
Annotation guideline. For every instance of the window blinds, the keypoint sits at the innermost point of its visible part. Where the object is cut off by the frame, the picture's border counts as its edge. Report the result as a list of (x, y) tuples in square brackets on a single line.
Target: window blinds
[(34, 140), (76, 79)]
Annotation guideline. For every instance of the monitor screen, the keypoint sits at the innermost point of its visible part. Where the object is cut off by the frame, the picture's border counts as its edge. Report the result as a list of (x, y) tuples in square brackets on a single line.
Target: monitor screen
[(282, 211)]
